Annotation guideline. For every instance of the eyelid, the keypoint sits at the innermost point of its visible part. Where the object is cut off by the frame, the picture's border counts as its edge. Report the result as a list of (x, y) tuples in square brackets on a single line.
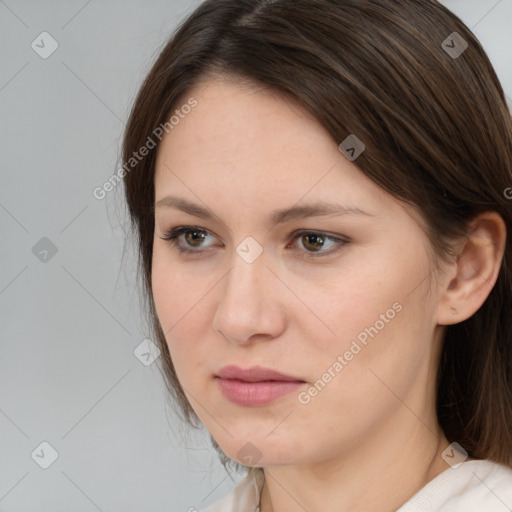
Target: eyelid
[(339, 240), (173, 235)]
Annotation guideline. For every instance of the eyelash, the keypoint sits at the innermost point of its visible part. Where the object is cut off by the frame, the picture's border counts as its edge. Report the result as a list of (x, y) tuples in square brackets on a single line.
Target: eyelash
[(173, 235)]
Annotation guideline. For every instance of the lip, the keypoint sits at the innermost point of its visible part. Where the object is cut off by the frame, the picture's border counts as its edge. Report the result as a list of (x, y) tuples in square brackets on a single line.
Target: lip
[(254, 374), (255, 386)]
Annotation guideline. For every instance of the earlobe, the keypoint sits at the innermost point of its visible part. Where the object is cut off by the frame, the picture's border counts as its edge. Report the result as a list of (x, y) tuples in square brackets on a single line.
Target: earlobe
[(472, 276)]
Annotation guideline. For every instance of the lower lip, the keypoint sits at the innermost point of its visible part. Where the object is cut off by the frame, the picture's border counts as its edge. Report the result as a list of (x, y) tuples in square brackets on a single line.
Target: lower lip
[(256, 393)]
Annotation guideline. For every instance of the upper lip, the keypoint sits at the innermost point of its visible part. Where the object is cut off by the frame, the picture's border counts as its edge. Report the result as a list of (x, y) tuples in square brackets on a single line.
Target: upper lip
[(253, 374)]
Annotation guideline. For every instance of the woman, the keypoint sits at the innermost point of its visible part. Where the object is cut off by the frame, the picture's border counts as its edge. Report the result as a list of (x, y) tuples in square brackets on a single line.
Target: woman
[(322, 226)]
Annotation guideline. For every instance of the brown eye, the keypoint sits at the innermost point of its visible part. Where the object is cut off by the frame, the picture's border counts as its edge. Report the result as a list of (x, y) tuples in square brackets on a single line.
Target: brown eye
[(194, 237), (190, 240), (187, 239), (313, 241)]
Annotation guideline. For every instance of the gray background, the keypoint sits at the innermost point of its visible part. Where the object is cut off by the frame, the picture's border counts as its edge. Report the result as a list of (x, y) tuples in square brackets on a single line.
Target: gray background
[(70, 321)]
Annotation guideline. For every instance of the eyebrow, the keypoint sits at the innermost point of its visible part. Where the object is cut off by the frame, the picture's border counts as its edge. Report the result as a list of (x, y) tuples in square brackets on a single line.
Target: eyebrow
[(316, 209)]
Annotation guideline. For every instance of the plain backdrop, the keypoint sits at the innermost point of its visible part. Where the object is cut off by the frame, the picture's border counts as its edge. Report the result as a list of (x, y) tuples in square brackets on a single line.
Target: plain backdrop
[(84, 423)]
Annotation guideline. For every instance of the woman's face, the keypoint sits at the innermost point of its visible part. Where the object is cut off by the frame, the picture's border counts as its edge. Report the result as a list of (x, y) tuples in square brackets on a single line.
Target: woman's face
[(345, 310)]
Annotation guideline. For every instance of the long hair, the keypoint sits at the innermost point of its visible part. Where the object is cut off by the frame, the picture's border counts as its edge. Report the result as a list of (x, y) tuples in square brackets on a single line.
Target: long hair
[(412, 82)]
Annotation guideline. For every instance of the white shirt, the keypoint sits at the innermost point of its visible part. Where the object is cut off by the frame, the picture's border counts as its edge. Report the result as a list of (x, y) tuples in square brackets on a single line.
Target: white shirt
[(471, 486)]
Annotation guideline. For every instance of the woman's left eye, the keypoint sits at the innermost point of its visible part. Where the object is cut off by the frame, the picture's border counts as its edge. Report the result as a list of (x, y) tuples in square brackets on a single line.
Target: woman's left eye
[(312, 241), (316, 240)]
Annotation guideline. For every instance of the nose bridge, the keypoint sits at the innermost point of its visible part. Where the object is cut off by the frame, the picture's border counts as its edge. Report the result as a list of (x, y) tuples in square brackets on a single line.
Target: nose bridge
[(244, 306), (246, 281)]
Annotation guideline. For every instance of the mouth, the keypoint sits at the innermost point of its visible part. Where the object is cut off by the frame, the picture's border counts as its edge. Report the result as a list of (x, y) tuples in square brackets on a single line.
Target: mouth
[(255, 386)]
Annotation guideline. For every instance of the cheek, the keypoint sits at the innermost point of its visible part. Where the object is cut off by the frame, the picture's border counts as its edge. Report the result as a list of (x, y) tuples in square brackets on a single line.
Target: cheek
[(164, 287), (384, 339), (177, 291), (373, 316), (342, 306), (177, 296)]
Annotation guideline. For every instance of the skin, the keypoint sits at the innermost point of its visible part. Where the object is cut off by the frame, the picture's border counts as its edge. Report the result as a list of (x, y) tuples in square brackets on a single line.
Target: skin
[(370, 439)]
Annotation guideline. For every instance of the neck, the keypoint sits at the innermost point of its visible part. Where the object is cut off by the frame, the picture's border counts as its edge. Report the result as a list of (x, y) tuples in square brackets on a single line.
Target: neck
[(379, 476)]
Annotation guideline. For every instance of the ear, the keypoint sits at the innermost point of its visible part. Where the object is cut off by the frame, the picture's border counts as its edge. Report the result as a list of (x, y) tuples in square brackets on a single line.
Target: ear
[(469, 280)]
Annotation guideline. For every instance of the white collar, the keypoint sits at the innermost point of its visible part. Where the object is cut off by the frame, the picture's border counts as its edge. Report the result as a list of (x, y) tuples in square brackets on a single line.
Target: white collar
[(245, 497), (474, 485)]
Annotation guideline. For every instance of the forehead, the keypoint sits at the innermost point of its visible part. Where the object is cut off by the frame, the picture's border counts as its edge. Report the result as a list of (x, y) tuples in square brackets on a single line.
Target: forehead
[(248, 144), (231, 117)]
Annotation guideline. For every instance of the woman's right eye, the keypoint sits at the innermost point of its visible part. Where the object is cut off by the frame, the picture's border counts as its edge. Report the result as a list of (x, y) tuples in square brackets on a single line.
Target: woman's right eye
[(196, 235)]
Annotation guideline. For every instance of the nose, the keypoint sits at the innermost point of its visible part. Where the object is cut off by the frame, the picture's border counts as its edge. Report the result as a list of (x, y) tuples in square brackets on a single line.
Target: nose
[(248, 306)]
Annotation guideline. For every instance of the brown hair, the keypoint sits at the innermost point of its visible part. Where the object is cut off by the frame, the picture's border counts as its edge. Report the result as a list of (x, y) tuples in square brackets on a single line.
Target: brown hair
[(438, 135)]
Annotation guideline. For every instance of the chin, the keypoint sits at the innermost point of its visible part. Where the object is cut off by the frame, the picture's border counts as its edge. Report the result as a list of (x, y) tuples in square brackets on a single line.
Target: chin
[(256, 450)]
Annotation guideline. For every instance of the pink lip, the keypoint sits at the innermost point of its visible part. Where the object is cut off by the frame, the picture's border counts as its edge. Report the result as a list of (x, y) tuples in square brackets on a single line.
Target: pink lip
[(255, 386)]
